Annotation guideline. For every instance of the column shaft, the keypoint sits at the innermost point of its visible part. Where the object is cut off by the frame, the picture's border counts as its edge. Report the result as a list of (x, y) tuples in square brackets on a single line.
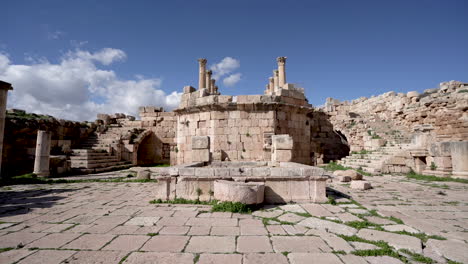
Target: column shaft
[(41, 162)]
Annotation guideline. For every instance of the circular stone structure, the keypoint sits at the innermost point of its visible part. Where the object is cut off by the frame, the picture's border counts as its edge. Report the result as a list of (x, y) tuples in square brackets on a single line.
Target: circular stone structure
[(243, 192)]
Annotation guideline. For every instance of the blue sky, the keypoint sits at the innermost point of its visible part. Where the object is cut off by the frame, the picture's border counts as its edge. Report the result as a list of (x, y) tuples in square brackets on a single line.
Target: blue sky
[(340, 49)]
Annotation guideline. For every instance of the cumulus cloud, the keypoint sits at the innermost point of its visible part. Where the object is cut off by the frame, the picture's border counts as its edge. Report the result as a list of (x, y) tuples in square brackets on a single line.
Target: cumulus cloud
[(225, 66), (77, 89), (232, 79)]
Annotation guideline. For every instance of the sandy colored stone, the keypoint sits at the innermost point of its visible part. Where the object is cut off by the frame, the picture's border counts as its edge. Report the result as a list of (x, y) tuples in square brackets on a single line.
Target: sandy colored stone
[(305, 258), (208, 244), (96, 257), (48, 256), (166, 244), (225, 231), (329, 226), (19, 238), (382, 259), (299, 244), (159, 257), (395, 240), (396, 228), (13, 256), (174, 230), (247, 230), (199, 231), (360, 185), (249, 244), (127, 242), (143, 221), (53, 240), (451, 249), (316, 210), (89, 241), (292, 218), (220, 258), (267, 258)]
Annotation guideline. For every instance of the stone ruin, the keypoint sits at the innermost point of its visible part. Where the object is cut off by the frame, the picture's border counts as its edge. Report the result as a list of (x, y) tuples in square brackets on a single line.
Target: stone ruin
[(255, 148)]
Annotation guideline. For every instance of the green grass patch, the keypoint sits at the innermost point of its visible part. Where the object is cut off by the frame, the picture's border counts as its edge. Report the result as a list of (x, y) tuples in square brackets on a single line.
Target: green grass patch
[(333, 166), (152, 234), (416, 176), (417, 257), (5, 249), (304, 214), (463, 91), (331, 200), (217, 206), (384, 248), (362, 224), (452, 262), (183, 201), (423, 236)]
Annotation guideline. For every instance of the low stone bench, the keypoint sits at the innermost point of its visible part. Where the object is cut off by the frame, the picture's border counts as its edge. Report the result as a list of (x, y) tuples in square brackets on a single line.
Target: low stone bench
[(243, 192)]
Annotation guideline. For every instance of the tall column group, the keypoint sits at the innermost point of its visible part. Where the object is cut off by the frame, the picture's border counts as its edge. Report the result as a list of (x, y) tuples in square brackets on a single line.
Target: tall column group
[(205, 81), (278, 80)]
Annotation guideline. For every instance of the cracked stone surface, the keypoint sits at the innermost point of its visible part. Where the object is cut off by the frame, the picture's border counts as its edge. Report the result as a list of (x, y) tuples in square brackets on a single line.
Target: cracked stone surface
[(112, 222)]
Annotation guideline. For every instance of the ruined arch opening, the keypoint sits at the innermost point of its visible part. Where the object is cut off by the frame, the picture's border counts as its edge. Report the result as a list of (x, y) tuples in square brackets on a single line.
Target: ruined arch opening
[(152, 150)]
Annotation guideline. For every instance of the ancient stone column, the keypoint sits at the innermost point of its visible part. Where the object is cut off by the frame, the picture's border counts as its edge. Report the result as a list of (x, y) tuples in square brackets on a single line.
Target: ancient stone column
[(281, 71), (208, 81), (41, 163), (216, 89), (275, 79), (271, 84), (213, 85), (202, 74), (4, 87)]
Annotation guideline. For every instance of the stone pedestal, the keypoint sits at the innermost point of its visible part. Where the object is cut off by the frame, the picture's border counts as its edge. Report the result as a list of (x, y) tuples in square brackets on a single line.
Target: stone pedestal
[(4, 87), (201, 149), (41, 163), (282, 146), (459, 152)]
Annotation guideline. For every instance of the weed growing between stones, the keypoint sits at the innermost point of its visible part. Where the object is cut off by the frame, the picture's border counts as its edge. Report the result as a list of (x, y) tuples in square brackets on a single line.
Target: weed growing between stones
[(416, 176), (217, 206), (384, 248), (417, 257)]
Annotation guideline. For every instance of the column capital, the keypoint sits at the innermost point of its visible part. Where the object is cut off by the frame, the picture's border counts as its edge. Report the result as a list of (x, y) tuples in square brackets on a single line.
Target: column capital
[(281, 59), (202, 61), (209, 72), (275, 72)]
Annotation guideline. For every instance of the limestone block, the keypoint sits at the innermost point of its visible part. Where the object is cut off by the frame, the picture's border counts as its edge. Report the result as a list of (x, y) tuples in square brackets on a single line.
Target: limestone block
[(200, 155), (344, 178), (200, 142), (412, 94), (143, 175), (247, 193), (204, 172), (282, 155), (354, 175), (459, 151), (282, 142), (189, 89), (440, 149), (360, 185)]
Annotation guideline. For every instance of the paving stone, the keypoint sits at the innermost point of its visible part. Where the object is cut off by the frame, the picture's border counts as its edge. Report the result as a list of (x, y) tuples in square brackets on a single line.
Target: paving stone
[(17, 238), (305, 258), (395, 228), (15, 255), (144, 221), (383, 259), (166, 244), (127, 242), (153, 213), (247, 230), (57, 228), (348, 206), (212, 222), (159, 257), (267, 258), (451, 249), (299, 244), (395, 240), (225, 231), (220, 258), (174, 230), (96, 257), (124, 230), (275, 230), (100, 228), (333, 208), (363, 246), (5, 225), (352, 259), (268, 214), (221, 215), (147, 229), (199, 231), (337, 243), (317, 210), (294, 229), (329, 226), (290, 217), (294, 208), (90, 241), (250, 222), (248, 244), (379, 220), (201, 244), (53, 240), (48, 256), (185, 213), (358, 211)]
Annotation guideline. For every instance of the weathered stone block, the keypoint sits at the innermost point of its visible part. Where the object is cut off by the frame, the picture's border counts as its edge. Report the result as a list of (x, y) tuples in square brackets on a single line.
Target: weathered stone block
[(247, 193), (200, 142), (284, 142), (360, 185)]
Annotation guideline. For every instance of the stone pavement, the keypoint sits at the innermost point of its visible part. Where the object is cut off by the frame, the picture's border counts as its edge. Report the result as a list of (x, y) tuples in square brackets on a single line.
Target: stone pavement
[(115, 223)]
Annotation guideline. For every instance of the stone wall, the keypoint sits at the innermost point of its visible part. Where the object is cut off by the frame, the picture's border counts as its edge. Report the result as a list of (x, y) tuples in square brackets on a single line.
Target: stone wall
[(21, 135)]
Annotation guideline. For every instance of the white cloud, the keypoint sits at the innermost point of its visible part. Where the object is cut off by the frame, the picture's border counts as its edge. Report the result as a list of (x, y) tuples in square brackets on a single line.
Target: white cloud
[(77, 89), (232, 79), (225, 66), (55, 35)]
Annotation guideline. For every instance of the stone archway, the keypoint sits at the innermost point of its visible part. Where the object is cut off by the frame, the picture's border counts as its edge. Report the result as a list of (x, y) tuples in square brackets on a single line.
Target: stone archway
[(150, 149)]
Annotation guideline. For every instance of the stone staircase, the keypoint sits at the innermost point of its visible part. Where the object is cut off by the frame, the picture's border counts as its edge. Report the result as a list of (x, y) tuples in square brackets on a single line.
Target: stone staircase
[(372, 161), (94, 155)]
